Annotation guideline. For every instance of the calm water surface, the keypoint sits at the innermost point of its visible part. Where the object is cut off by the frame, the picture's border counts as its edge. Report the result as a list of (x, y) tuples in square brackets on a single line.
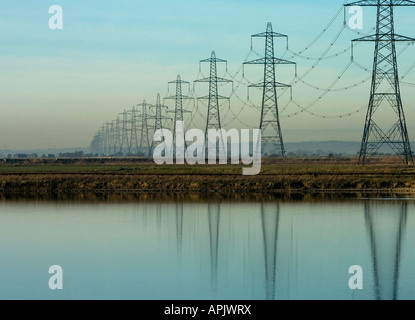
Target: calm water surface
[(216, 250)]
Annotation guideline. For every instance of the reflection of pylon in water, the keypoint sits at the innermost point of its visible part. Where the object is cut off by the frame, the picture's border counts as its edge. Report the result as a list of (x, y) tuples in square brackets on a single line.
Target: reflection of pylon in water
[(386, 222), (385, 87), (179, 228), (270, 218), (270, 122), (213, 120), (214, 217)]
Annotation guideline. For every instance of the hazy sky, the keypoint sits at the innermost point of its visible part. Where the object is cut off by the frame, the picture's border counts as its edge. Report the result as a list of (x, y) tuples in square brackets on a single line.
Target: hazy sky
[(58, 86)]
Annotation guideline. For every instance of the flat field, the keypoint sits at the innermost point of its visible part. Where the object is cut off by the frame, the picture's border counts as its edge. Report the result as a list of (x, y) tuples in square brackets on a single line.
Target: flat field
[(305, 175)]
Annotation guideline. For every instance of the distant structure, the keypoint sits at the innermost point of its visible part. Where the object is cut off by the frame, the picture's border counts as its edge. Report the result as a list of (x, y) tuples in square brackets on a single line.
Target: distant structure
[(134, 148), (125, 132), (76, 154), (95, 145), (270, 122), (385, 85), (112, 137), (117, 136), (107, 138), (144, 139)]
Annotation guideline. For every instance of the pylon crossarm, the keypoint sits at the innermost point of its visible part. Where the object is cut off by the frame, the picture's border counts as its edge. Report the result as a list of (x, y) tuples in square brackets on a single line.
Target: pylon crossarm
[(161, 106), (175, 97), (217, 80), (386, 37), (375, 3), (178, 81), (145, 105), (184, 111), (269, 34), (270, 61), (213, 60), (218, 97), (271, 84)]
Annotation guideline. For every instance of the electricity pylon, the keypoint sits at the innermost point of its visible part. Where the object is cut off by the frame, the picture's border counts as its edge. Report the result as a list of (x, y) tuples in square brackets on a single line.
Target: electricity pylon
[(385, 85), (117, 139), (113, 144), (107, 143), (125, 129), (158, 120), (95, 145), (144, 139), (178, 110), (111, 137), (270, 123), (134, 138), (213, 113), (102, 135)]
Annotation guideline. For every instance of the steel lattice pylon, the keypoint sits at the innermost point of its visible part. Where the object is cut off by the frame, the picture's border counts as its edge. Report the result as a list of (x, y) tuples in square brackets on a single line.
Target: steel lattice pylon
[(178, 110), (144, 128), (126, 127), (113, 137), (158, 123), (385, 85), (134, 148), (102, 135), (270, 123), (213, 114), (117, 139), (107, 138)]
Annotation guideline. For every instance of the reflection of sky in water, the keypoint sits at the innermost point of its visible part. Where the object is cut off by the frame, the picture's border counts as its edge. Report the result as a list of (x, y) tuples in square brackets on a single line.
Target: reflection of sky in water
[(199, 251)]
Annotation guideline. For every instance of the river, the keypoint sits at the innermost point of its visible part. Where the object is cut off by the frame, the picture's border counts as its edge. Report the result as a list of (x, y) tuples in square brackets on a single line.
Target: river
[(217, 249)]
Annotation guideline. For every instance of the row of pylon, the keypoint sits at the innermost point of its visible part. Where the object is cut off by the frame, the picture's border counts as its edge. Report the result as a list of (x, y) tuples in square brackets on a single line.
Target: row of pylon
[(120, 136), (130, 134), (385, 89)]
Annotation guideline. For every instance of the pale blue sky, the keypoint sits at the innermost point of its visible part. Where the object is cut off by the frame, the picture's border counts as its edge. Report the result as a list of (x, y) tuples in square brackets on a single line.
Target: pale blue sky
[(58, 86)]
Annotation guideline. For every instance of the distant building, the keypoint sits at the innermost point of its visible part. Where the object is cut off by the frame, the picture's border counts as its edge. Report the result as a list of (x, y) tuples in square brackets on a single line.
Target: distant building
[(20, 156), (77, 154), (48, 156)]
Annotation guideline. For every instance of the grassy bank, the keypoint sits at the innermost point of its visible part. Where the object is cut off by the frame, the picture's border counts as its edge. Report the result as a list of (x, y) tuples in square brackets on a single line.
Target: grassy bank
[(308, 175)]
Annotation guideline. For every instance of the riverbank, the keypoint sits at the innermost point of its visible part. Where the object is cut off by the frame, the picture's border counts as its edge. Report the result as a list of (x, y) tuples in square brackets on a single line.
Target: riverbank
[(292, 175)]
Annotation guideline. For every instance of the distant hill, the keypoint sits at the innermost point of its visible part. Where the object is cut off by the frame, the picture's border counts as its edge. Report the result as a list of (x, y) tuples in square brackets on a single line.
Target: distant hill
[(322, 148), (39, 152), (308, 148)]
